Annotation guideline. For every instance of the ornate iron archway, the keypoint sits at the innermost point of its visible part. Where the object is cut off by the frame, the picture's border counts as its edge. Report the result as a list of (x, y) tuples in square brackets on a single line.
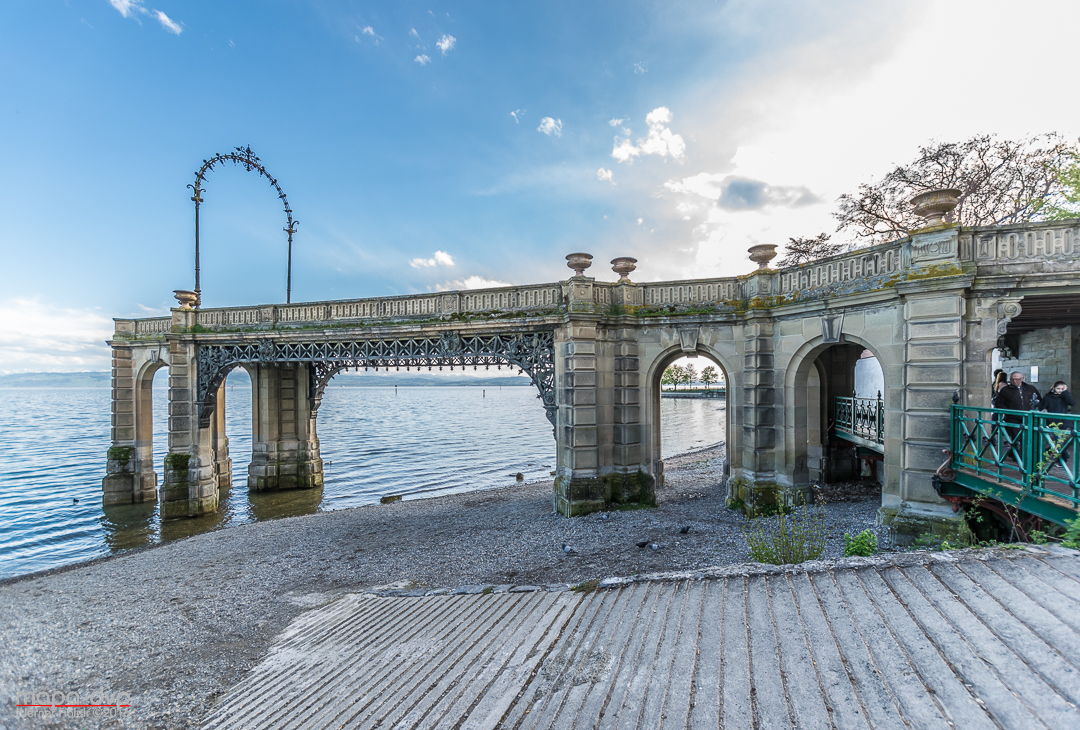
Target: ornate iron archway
[(533, 352), (247, 159)]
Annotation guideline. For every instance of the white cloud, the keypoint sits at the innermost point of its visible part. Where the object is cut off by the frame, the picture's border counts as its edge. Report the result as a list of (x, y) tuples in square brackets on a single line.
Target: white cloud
[(128, 8), (605, 175), (616, 122), (134, 8), (40, 337), (472, 282), (640, 221), (660, 140), (446, 44), (516, 114), (550, 127), (414, 34), (368, 30), (639, 68), (167, 23), (440, 258), (423, 59)]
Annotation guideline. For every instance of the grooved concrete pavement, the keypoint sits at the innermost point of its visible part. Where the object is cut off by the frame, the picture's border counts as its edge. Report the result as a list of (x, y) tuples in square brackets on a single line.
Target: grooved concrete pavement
[(979, 639)]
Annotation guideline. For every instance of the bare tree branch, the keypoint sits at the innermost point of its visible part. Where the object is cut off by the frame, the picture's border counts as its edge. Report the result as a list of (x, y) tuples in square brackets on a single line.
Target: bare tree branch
[(1000, 182)]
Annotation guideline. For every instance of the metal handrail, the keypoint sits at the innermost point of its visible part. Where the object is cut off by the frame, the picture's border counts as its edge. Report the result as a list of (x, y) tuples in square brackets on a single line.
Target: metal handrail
[(1033, 451), (862, 417)]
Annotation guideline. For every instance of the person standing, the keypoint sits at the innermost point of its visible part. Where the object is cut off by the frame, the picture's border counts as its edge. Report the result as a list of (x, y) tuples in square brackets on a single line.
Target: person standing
[(1017, 396), (1059, 400)]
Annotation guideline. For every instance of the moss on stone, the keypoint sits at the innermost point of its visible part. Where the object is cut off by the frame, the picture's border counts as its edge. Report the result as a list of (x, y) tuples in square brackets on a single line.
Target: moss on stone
[(177, 462), (121, 454)]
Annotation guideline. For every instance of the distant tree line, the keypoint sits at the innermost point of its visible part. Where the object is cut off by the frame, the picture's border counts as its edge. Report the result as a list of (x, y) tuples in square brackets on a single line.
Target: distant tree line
[(1000, 182), (676, 375)]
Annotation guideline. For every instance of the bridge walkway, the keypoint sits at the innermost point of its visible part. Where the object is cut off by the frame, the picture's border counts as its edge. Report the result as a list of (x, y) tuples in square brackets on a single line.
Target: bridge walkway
[(982, 639), (1031, 461)]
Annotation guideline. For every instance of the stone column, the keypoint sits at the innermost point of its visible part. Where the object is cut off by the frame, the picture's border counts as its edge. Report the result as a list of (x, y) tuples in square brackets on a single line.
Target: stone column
[(121, 482), (189, 487), (284, 447), (129, 475), (219, 442), (934, 306)]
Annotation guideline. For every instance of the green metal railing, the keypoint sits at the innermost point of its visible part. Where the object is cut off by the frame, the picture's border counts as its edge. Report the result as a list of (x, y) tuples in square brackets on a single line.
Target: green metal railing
[(861, 418), (1035, 454)]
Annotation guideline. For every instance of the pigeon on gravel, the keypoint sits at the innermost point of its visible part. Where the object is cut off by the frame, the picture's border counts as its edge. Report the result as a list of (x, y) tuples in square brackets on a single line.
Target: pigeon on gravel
[(655, 547), (642, 543), (684, 530), (568, 550)]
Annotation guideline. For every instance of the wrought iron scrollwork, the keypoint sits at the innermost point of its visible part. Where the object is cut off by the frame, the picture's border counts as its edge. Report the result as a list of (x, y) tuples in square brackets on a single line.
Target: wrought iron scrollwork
[(532, 352)]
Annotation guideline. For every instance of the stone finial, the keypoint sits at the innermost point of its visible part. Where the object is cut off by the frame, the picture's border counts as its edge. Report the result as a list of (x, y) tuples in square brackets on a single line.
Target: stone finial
[(933, 205), (623, 266), (579, 262), (186, 298), (762, 254)]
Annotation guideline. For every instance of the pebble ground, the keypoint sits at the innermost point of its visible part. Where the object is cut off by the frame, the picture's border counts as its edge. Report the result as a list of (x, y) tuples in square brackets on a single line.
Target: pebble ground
[(176, 625)]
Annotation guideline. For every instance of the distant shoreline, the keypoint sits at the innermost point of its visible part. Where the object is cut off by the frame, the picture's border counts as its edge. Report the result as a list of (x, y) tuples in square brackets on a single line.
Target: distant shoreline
[(102, 379)]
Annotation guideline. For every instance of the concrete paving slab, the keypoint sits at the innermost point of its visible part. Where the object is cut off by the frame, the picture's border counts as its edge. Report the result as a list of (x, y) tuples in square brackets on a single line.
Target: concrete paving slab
[(972, 640)]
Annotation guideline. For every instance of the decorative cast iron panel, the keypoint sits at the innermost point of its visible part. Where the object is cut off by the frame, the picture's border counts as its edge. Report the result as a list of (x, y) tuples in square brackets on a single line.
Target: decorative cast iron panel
[(532, 352)]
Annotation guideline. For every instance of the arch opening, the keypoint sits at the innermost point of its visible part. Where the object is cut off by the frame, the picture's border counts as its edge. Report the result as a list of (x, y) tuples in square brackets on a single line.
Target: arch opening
[(450, 432), (837, 433), (689, 415)]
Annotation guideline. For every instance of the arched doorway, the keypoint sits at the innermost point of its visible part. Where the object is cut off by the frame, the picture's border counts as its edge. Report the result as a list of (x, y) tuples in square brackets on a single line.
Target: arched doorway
[(664, 407), (837, 427)]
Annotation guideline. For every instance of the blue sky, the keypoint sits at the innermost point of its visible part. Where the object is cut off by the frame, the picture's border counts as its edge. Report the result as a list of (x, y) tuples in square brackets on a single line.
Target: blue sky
[(501, 135)]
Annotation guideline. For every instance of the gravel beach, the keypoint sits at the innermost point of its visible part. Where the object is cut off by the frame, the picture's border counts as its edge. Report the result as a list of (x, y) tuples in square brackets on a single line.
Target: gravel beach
[(176, 625)]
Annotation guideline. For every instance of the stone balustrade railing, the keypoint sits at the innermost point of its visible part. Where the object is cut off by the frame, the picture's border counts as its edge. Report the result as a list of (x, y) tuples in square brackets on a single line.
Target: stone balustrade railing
[(996, 249)]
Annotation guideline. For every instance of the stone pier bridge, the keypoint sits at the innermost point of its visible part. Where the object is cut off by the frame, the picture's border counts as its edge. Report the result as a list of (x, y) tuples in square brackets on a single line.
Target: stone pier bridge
[(932, 308)]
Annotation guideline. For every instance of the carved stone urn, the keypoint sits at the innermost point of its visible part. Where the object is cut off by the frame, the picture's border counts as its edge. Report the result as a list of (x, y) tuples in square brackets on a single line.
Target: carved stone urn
[(934, 205), (762, 254), (623, 266), (187, 299), (579, 262)]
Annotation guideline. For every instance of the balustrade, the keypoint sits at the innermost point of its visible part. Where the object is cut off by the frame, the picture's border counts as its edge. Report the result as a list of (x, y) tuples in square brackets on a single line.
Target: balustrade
[(861, 418)]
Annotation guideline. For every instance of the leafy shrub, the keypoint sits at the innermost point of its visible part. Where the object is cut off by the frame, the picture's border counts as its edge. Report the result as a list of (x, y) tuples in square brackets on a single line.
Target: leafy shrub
[(787, 539), (1071, 538), (863, 545), (1038, 537)]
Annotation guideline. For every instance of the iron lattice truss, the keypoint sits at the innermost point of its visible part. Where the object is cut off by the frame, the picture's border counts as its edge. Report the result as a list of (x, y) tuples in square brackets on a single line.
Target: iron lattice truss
[(532, 352)]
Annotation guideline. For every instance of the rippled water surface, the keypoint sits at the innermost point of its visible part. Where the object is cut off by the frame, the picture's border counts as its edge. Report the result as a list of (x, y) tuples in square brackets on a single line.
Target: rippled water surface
[(412, 441)]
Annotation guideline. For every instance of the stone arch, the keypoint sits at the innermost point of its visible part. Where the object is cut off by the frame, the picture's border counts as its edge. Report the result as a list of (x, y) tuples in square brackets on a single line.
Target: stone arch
[(143, 398), (651, 439), (807, 386)]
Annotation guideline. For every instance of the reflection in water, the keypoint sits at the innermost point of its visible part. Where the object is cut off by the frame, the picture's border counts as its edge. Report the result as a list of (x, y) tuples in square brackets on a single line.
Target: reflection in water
[(416, 442)]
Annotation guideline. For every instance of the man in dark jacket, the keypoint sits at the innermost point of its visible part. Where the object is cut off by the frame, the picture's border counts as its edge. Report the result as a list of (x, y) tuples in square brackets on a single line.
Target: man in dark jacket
[(1017, 396)]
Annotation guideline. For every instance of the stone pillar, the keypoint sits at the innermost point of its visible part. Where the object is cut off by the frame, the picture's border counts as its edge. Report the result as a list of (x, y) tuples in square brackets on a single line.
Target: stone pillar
[(121, 482), (189, 487), (129, 475), (219, 442), (284, 447), (934, 309)]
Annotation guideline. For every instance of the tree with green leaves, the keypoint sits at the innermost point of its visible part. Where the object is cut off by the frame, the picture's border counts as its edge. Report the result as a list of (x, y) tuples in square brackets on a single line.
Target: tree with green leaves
[(673, 376), (689, 375), (708, 376)]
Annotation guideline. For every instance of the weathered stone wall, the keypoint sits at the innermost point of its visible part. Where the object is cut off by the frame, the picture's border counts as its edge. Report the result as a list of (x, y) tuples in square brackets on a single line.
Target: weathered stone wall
[(1052, 350)]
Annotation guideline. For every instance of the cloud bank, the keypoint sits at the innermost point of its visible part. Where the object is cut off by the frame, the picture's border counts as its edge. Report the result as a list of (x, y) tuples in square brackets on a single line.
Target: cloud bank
[(660, 140), (550, 127), (440, 258)]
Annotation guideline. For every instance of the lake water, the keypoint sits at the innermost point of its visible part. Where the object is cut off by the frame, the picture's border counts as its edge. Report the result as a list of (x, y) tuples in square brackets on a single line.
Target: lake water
[(412, 441)]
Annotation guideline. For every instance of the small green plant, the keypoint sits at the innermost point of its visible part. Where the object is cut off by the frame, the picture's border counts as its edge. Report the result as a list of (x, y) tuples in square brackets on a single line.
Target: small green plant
[(1071, 538), (587, 587), (487, 591), (863, 545), (736, 504), (1038, 537), (784, 539), (768, 510)]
